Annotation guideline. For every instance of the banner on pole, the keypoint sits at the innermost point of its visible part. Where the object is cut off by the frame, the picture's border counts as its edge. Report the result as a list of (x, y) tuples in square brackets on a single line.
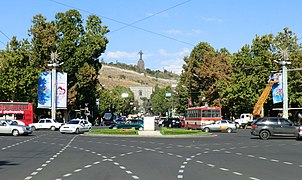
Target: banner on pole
[(277, 91), (61, 90), (44, 90)]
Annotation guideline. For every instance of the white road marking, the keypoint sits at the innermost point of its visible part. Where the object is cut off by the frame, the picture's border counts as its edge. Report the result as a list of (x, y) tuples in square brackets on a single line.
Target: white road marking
[(237, 173)]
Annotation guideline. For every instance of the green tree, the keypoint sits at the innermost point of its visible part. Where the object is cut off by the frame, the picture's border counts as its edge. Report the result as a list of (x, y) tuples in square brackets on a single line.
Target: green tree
[(79, 47), (18, 80), (160, 103)]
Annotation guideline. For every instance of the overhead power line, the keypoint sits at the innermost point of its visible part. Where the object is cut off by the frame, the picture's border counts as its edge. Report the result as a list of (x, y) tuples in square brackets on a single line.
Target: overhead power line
[(4, 35), (131, 24), (153, 15)]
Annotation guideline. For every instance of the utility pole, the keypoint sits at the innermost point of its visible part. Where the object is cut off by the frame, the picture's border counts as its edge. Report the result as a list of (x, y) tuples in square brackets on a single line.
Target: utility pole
[(283, 63), (54, 56)]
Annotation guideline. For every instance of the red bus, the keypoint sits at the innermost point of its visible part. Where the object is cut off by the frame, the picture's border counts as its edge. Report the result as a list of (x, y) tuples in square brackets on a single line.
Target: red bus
[(22, 111), (197, 116)]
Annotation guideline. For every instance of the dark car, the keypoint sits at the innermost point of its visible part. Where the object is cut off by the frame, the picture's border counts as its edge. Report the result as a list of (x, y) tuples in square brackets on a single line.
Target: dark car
[(273, 126), (109, 118), (172, 122), (137, 124)]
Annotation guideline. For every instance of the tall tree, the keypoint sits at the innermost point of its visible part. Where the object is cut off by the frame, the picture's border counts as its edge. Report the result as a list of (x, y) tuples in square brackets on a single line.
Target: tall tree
[(79, 46), (18, 80)]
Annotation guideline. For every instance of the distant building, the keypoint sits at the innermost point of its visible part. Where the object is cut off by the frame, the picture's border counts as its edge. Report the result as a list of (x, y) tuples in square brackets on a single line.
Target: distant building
[(141, 93), (141, 63)]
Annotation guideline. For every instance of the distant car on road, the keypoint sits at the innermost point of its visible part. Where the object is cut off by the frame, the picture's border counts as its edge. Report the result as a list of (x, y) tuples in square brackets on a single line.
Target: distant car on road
[(273, 126), (75, 126), (221, 125), (137, 124), (46, 124), (172, 122), (14, 129)]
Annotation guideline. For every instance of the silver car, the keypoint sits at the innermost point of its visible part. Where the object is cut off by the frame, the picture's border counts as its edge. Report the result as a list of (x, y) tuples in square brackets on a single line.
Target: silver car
[(14, 129), (221, 125)]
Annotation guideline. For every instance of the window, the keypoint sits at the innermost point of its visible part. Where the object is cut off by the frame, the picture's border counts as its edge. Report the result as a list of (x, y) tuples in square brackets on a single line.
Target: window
[(285, 122)]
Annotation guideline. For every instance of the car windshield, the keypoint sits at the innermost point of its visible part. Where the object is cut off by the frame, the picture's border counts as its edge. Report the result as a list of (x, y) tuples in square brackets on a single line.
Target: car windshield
[(73, 122)]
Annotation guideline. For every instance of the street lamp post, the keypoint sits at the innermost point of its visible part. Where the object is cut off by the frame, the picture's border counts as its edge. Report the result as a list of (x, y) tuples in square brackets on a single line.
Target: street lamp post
[(283, 63), (54, 60)]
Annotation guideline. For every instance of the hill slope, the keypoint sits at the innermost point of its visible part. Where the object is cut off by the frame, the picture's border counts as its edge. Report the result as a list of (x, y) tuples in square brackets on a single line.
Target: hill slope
[(113, 76)]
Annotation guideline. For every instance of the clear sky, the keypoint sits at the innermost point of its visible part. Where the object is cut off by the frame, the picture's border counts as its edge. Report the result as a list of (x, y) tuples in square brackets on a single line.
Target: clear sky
[(165, 30)]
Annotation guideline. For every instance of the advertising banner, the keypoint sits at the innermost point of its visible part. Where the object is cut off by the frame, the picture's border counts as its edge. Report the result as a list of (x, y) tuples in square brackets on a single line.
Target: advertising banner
[(277, 91), (44, 90), (61, 90)]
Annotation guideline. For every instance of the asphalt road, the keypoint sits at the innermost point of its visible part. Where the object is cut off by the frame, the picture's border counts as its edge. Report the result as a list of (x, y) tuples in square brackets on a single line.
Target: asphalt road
[(48, 155)]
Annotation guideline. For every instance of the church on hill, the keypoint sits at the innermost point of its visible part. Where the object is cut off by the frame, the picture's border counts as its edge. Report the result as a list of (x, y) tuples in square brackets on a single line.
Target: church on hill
[(141, 63)]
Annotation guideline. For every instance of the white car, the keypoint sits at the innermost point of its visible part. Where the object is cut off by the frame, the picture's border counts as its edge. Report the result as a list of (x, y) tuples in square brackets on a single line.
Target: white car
[(14, 129), (75, 126), (87, 123), (46, 124), (222, 125)]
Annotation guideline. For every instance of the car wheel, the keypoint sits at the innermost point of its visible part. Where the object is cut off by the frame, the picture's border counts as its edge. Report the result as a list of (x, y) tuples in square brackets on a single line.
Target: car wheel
[(77, 131), (33, 128), (140, 128), (15, 132), (229, 130), (170, 125), (206, 129), (52, 128), (264, 134)]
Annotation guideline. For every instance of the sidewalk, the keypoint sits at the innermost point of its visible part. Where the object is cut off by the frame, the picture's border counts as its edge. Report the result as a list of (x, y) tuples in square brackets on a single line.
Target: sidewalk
[(149, 133)]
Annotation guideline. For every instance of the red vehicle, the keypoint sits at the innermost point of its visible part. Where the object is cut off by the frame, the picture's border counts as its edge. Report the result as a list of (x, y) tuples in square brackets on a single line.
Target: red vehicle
[(22, 111), (198, 116)]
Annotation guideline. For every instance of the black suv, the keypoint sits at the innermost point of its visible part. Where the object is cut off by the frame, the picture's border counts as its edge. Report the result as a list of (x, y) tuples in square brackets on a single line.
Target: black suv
[(273, 126), (172, 122)]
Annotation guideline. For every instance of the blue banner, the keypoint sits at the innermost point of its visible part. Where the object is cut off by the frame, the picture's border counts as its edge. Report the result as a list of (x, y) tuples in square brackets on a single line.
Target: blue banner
[(277, 93), (44, 90)]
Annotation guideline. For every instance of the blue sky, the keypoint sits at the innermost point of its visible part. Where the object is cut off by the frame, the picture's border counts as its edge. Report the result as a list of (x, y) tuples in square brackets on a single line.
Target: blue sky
[(166, 30)]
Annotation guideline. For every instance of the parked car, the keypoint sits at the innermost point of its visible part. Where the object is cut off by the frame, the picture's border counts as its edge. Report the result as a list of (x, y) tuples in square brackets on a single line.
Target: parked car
[(14, 129), (137, 124), (221, 125), (46, 124), (120, 120), (109, 118), (161, 120), (171, 122), (273, 126), (75, 126)]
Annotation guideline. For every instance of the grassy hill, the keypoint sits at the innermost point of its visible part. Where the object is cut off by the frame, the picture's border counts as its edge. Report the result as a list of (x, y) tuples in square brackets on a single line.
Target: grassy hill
[(112, 76)]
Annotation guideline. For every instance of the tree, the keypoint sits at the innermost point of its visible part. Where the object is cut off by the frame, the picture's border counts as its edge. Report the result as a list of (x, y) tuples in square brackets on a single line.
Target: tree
[(160, 103), (205, 73), (79, 47), (18, 80)]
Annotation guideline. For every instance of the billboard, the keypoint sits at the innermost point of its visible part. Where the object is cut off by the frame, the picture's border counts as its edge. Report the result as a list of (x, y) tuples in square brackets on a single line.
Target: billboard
[(45, 91)]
